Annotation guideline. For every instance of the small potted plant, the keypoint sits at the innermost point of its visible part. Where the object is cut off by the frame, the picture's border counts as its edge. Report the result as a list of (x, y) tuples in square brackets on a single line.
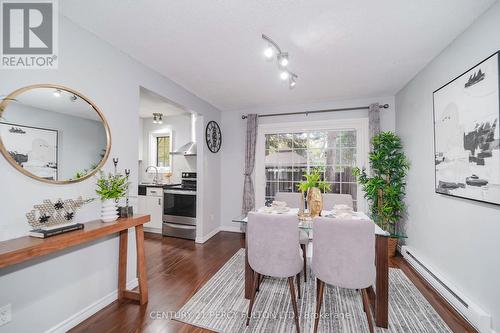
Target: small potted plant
[(314, 186), (385, 188), (110, 188)]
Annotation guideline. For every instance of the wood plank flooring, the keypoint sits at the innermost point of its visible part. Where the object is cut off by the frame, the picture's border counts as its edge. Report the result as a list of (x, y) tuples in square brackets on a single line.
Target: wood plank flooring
[(177, 268)]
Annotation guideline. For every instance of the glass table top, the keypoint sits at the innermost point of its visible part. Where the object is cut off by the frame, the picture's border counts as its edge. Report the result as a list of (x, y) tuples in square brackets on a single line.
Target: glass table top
[(306, 224)]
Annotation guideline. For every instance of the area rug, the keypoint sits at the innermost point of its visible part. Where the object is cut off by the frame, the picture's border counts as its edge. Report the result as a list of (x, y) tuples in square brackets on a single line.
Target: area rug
[(220, 306)]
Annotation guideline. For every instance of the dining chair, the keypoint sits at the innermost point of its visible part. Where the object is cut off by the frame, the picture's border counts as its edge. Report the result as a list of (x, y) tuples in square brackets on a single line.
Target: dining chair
[(293, 200), (273, 250), (344, 256), (332, 199)]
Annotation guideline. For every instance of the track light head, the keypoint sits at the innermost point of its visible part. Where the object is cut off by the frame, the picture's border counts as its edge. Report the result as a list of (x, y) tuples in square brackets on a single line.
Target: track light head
[(283, 59), (57, 93), (292, 82), (269, 52)]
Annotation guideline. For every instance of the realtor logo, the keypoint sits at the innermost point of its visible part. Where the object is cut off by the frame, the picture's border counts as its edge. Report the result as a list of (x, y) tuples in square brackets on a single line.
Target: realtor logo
[(29, 34)]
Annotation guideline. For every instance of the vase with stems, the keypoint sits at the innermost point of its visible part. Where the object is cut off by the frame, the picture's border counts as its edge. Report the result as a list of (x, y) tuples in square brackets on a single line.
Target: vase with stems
[(314, 187), (110, 188)]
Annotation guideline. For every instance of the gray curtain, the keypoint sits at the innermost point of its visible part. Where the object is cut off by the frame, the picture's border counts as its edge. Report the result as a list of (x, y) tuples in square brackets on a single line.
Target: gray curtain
[(373, 120), (248, 190)]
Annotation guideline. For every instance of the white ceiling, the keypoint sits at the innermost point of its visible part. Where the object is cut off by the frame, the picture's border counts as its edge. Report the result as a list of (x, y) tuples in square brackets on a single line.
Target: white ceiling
[(340, 49), (44, 98), (150, 103)]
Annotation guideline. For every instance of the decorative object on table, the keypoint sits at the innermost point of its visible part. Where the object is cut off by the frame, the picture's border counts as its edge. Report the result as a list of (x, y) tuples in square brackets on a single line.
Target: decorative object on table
[(467, 134), (277, 207), (343, 211), (50, 219), (126, 211), (36, 149), (110, 188), (314, 186), (213, 136), (33, 149), (385, 189)]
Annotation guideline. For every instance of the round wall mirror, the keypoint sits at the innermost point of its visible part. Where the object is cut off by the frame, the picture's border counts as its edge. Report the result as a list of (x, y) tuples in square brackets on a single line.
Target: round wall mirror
[(53, 134)]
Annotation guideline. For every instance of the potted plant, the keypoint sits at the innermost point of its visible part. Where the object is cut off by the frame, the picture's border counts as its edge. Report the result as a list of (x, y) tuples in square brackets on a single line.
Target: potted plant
[(385, 188), (314, 186), (110, 188)]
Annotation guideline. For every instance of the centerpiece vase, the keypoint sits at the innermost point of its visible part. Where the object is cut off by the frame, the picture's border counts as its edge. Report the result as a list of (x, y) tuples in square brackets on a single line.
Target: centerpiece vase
[(314, 201)]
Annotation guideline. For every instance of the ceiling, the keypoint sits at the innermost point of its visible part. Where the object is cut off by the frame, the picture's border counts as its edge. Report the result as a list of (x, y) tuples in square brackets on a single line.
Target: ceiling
[(44, 98), (340, 49), (150, 103)]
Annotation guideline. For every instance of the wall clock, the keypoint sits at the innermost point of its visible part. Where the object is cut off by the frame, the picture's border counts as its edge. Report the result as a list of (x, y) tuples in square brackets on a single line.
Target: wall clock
[(213, 136)]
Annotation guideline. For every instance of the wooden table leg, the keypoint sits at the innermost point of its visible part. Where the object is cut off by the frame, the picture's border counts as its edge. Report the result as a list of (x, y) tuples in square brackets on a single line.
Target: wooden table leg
[(123, 293), (249, 275), (382, 282), (141, 265), (122, 264)]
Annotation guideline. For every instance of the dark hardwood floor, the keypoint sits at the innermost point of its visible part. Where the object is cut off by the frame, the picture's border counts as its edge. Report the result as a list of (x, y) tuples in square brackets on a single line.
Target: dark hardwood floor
[(178, 268)]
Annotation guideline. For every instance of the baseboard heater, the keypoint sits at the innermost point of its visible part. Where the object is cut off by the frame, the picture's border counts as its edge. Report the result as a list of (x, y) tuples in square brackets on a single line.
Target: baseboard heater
[(473, 313)]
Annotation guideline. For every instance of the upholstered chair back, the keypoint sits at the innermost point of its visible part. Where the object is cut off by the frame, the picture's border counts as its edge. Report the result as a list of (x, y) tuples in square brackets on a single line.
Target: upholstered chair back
[(344, 252), (273, 244)]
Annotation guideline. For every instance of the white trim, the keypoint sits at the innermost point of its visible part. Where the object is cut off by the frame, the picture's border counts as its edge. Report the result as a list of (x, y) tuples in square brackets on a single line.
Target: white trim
[(362, 147), (90, 310), (203, 239), (236, 227)]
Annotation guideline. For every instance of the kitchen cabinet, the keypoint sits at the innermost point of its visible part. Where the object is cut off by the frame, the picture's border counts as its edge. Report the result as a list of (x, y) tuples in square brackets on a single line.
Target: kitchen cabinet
[(152, 204)]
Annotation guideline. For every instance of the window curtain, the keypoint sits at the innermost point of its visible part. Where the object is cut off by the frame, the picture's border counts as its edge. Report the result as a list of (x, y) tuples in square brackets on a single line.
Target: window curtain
[(248, 189), (373, 120)]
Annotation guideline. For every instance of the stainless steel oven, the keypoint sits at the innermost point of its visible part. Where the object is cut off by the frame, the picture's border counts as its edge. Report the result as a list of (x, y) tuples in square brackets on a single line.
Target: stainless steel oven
[(179, 208)]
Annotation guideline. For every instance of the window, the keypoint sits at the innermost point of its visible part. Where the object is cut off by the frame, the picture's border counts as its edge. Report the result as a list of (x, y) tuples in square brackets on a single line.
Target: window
[(163, 151), (287, 154), (160, 147)]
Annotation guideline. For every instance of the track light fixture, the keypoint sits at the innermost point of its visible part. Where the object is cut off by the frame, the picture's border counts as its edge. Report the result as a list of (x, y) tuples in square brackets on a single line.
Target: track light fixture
[(157, 118), (282, 59)]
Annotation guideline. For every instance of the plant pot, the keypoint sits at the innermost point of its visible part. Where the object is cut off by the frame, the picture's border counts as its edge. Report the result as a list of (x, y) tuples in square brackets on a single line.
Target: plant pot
[(392, 246), (314, 201), (109, 211)]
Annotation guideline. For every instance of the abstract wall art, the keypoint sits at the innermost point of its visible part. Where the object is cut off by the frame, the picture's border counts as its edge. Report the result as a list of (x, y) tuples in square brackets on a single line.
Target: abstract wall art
[(34, 149), (467, 134)]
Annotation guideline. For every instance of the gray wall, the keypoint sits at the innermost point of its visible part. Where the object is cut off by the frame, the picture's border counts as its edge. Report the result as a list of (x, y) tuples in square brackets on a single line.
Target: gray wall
[(81, 140), (458, 237), (46, 292)]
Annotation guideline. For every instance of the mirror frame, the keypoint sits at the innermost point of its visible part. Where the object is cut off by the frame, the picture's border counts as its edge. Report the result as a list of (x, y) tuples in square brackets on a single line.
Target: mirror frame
[(12, 98)]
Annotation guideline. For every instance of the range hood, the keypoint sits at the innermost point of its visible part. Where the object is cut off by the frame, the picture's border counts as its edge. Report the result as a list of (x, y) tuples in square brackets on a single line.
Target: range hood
[(189, 149)]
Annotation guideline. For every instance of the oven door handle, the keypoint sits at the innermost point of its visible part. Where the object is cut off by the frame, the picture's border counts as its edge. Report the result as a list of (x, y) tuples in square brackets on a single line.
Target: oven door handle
[(179, 192), (179, 226)]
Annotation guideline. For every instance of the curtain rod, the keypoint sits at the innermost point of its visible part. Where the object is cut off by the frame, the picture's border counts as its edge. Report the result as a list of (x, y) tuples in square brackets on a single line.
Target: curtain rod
[(384, 106)]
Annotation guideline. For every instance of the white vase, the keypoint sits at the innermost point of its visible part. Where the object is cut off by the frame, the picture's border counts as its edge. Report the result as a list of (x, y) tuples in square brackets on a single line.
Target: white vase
[(109, 211)]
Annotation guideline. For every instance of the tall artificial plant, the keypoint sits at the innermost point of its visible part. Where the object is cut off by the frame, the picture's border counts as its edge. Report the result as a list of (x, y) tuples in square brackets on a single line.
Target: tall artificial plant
[(385, 188)]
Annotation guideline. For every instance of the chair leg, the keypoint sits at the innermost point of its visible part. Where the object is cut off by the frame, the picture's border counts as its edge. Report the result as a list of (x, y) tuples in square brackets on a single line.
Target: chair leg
[(260, 281), (256, 278), (298, 285), (294, 303), (319, 300), (304, 254), (367, 307)]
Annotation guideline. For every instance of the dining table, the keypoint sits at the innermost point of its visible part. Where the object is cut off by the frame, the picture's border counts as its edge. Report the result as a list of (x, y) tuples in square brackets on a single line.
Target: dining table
[(378, 294)]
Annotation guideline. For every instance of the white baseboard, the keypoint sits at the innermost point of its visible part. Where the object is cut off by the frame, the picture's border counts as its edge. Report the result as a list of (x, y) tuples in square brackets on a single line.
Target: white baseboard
[(153, 230), (231, 228), (211, 234), (90, 310)]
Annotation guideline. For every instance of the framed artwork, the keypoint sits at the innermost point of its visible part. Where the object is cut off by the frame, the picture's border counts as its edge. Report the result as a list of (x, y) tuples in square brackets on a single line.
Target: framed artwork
[(34, 149), (467, 134)]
